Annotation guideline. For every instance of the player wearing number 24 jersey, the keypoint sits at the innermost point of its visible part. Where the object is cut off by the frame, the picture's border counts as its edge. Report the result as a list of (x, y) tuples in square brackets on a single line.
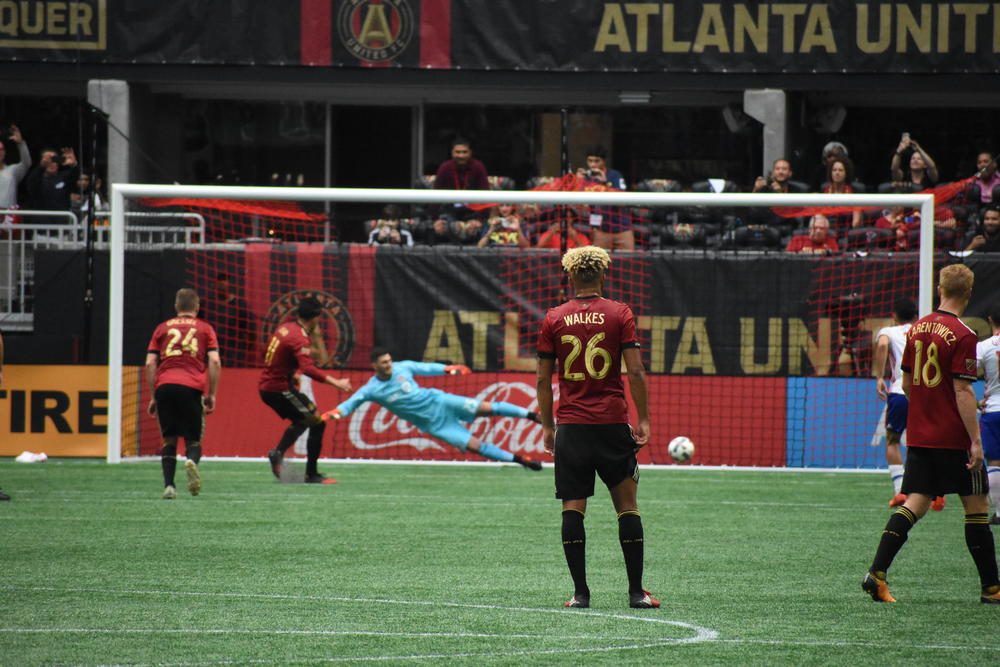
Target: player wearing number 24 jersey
[(182, 365)]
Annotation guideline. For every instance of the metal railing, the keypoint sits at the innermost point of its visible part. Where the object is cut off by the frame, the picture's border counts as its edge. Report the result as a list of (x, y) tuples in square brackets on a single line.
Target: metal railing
[(23, 231)]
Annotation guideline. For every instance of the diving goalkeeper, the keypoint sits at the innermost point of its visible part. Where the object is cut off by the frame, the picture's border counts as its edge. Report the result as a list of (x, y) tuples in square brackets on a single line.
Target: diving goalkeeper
[(432, 410)]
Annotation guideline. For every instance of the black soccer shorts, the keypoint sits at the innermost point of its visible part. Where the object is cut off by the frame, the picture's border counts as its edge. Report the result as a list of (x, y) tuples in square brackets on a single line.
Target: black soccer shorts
[(936, 472), (180, 412), (290, 404), (585, 449)]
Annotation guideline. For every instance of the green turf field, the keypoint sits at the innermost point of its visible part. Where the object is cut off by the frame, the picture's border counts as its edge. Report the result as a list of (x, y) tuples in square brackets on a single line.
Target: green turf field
[(409, 564)]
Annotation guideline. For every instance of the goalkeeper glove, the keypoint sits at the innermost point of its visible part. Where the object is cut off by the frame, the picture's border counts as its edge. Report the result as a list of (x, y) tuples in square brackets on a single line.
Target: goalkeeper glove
[(332, 414), (457, 369)]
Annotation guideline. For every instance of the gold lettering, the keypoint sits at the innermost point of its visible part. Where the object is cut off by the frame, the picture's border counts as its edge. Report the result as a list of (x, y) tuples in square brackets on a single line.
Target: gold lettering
[(613, 31), (512, 359), (745, 26), (818, 351), (748, 347), (788, 13), (818, 31), (26, 26), (642, 12), (8, 17), (443, 342), (694, 350), (918, 31), (375, 30), (711, 30), (80, 17), (996, 27), (881, 43), (481, 321), (943, 25), (671, 45), (56, 18), (970, 11), (658, 325)]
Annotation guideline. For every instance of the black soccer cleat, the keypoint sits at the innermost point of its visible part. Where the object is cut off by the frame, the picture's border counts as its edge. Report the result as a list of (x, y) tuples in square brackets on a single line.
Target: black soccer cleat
[(528, 462), (275, 457), (319, 479), (642, 600), (533, 416), (578, 601)]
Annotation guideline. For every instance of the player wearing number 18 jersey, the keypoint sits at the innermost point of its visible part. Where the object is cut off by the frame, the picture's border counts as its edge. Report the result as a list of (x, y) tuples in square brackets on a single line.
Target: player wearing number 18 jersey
[(182, 363), (945, 451), (585, 340)]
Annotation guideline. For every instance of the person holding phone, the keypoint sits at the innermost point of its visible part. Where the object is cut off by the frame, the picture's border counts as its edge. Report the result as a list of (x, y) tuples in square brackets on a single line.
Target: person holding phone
[(921, 172)]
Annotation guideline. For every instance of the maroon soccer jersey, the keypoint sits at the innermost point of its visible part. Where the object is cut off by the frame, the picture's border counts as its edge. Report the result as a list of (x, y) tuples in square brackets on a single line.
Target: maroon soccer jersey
[(586, 336), (287, 351), (939, 348), (183, 344)]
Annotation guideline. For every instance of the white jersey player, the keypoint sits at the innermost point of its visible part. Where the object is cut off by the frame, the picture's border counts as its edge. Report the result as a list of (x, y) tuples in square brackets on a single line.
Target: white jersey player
[(988, 360), (889, 344)]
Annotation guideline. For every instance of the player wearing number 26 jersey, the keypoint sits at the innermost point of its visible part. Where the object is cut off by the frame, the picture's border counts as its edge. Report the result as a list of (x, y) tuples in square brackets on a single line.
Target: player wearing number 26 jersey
[(182, 366), (587, 335), (584, 342)]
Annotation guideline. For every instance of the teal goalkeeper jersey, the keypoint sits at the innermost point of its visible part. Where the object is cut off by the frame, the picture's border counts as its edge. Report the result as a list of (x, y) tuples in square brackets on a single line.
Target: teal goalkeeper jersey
[(401, 394)]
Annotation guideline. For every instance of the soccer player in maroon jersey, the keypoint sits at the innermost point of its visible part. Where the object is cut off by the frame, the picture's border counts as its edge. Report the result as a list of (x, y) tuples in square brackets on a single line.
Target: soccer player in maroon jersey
[(945, 451), (182, 371), (289, 351), (588, 336)]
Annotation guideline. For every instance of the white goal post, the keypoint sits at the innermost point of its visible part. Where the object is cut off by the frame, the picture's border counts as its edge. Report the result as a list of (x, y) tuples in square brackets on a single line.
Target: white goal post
[(123, 192)]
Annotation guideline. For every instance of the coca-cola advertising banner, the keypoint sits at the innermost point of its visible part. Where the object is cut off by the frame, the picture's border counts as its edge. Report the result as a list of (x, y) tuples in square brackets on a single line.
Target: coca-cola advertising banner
[(569, 35)]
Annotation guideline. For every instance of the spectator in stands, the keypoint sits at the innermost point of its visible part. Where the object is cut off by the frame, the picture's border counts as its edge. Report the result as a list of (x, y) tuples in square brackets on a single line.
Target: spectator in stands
[(550, 238), (389, 232), (612, 227), (987, 177), (921, 172), (833, 150), (12, 174), (777, 180), (504, 228), (818, 241), (987, 238), (839, 176), (462, 172), (50, 185), (437, 231), (80, 200)]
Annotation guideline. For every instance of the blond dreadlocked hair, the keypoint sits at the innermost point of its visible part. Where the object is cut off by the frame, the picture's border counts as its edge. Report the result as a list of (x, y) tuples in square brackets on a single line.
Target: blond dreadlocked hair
[(587, 263)]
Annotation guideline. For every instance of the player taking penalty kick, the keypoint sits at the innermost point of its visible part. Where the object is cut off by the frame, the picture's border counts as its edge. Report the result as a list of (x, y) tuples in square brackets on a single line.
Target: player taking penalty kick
[(945, 451), (587, 337), (432, 410)]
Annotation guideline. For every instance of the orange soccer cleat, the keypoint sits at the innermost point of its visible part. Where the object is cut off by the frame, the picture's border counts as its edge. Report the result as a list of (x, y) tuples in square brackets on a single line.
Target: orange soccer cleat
[(877, 588), (897, 500), (937, 504)]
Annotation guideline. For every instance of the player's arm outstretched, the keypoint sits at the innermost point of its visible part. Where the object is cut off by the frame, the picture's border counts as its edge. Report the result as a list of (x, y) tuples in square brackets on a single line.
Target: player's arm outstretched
[(348, 406), (638, 389), (431, 368)]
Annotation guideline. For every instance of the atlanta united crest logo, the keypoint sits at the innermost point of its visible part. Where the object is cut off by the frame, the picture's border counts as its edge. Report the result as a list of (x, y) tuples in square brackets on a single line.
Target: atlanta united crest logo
[(335, 323), (375, 31)]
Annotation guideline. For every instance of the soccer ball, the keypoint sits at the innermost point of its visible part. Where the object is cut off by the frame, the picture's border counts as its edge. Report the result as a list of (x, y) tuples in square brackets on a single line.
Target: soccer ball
[(680, 449)]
